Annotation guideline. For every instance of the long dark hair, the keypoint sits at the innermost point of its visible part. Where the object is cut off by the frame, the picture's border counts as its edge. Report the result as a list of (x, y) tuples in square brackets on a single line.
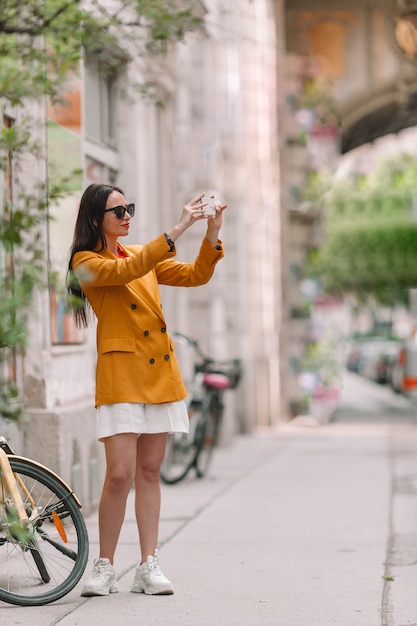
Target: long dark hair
[(88, 235)]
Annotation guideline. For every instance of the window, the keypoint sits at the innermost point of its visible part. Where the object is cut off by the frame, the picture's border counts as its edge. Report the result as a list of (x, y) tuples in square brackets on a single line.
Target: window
[(100, 103)]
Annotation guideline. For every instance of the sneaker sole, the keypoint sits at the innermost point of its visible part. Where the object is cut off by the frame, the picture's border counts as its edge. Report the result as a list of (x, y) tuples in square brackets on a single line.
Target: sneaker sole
[(168, 591), (88, 593)]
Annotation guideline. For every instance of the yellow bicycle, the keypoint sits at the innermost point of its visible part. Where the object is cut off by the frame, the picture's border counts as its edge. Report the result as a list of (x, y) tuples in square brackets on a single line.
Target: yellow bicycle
[(43, 536)]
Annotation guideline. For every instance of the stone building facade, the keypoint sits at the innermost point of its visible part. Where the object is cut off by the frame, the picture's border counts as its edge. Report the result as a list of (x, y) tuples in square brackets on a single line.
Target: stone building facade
[(217, 131)]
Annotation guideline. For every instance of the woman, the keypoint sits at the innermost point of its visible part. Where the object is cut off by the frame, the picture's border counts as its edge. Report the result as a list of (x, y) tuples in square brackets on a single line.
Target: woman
[(139, 390)]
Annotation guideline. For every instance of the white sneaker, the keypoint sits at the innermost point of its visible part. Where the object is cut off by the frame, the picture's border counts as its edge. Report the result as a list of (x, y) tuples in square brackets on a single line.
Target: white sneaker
[(102, 580), (149, 578)]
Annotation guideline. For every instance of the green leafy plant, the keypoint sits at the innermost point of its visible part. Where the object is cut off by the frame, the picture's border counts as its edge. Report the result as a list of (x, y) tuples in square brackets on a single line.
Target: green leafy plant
[(370, 234), (318, 95)]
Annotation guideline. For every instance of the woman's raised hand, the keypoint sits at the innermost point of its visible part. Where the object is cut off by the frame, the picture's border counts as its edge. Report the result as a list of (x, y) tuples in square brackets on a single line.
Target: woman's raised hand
[(214, 223), (194, 211)]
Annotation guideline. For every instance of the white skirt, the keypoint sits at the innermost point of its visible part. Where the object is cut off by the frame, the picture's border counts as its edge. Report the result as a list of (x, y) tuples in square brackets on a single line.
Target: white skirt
[(142, 419)]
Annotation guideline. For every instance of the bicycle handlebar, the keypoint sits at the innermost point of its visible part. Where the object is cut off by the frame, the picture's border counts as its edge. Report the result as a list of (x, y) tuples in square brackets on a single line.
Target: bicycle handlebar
[(187, 340), (232, 368)]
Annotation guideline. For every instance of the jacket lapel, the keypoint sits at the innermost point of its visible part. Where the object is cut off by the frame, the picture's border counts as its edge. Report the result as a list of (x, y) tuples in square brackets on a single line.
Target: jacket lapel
[(146, 287)]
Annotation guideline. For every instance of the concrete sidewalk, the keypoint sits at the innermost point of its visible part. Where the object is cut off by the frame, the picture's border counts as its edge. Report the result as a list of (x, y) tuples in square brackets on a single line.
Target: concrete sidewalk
[(299, 527)]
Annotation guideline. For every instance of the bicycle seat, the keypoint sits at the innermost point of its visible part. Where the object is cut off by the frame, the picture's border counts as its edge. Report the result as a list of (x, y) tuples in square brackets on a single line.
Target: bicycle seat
[(218, 381)]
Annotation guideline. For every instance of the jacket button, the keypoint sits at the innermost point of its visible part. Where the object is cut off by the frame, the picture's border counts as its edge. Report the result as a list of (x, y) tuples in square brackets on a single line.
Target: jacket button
[(166, 357), (151, 361), (146, 333), (133, 306), (163, 330)]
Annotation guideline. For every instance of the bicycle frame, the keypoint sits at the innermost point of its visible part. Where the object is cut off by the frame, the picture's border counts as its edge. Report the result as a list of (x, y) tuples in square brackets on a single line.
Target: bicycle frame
[(10, 479)]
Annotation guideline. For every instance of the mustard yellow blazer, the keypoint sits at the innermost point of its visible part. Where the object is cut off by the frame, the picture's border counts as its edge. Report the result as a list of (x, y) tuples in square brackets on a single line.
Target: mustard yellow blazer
[(136, 361)]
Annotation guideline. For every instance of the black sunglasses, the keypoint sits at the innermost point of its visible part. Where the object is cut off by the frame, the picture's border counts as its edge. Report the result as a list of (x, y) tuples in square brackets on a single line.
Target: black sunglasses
[(120, 210)]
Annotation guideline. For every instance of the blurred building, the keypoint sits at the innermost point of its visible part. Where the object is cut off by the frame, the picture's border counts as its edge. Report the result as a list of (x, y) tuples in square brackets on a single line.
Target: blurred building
[(350, 79)]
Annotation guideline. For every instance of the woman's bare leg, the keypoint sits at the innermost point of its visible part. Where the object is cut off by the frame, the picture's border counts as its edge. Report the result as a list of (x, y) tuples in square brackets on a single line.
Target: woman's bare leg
[(150, 454), (120, 472)]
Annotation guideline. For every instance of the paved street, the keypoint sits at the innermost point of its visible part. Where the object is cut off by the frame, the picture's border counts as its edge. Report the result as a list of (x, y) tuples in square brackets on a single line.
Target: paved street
[(303, 526), (365, 402)]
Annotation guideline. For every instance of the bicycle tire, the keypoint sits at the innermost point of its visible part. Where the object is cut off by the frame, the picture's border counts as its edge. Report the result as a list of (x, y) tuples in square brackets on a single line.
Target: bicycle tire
[(181, 449), (59, 535), (212, 413)]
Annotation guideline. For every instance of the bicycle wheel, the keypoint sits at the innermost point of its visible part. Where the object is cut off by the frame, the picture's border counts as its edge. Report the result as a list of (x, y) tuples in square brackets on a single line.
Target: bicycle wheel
[(181, 449), (210, 426), (45, 561)]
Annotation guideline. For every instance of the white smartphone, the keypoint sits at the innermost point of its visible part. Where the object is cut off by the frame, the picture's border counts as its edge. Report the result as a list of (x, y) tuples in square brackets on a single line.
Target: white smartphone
[(210, 208)]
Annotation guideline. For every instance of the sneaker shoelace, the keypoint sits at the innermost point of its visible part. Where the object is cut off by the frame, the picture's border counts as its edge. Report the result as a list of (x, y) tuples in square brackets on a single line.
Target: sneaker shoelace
[(99, 568), (153, 566)]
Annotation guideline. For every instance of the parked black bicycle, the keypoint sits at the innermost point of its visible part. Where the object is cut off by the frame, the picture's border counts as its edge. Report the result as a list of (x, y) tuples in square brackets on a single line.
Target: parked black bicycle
[(193, 450)]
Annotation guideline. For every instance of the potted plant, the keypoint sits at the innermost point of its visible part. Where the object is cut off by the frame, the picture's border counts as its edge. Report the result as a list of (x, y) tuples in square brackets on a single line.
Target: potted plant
[(324, 359)]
